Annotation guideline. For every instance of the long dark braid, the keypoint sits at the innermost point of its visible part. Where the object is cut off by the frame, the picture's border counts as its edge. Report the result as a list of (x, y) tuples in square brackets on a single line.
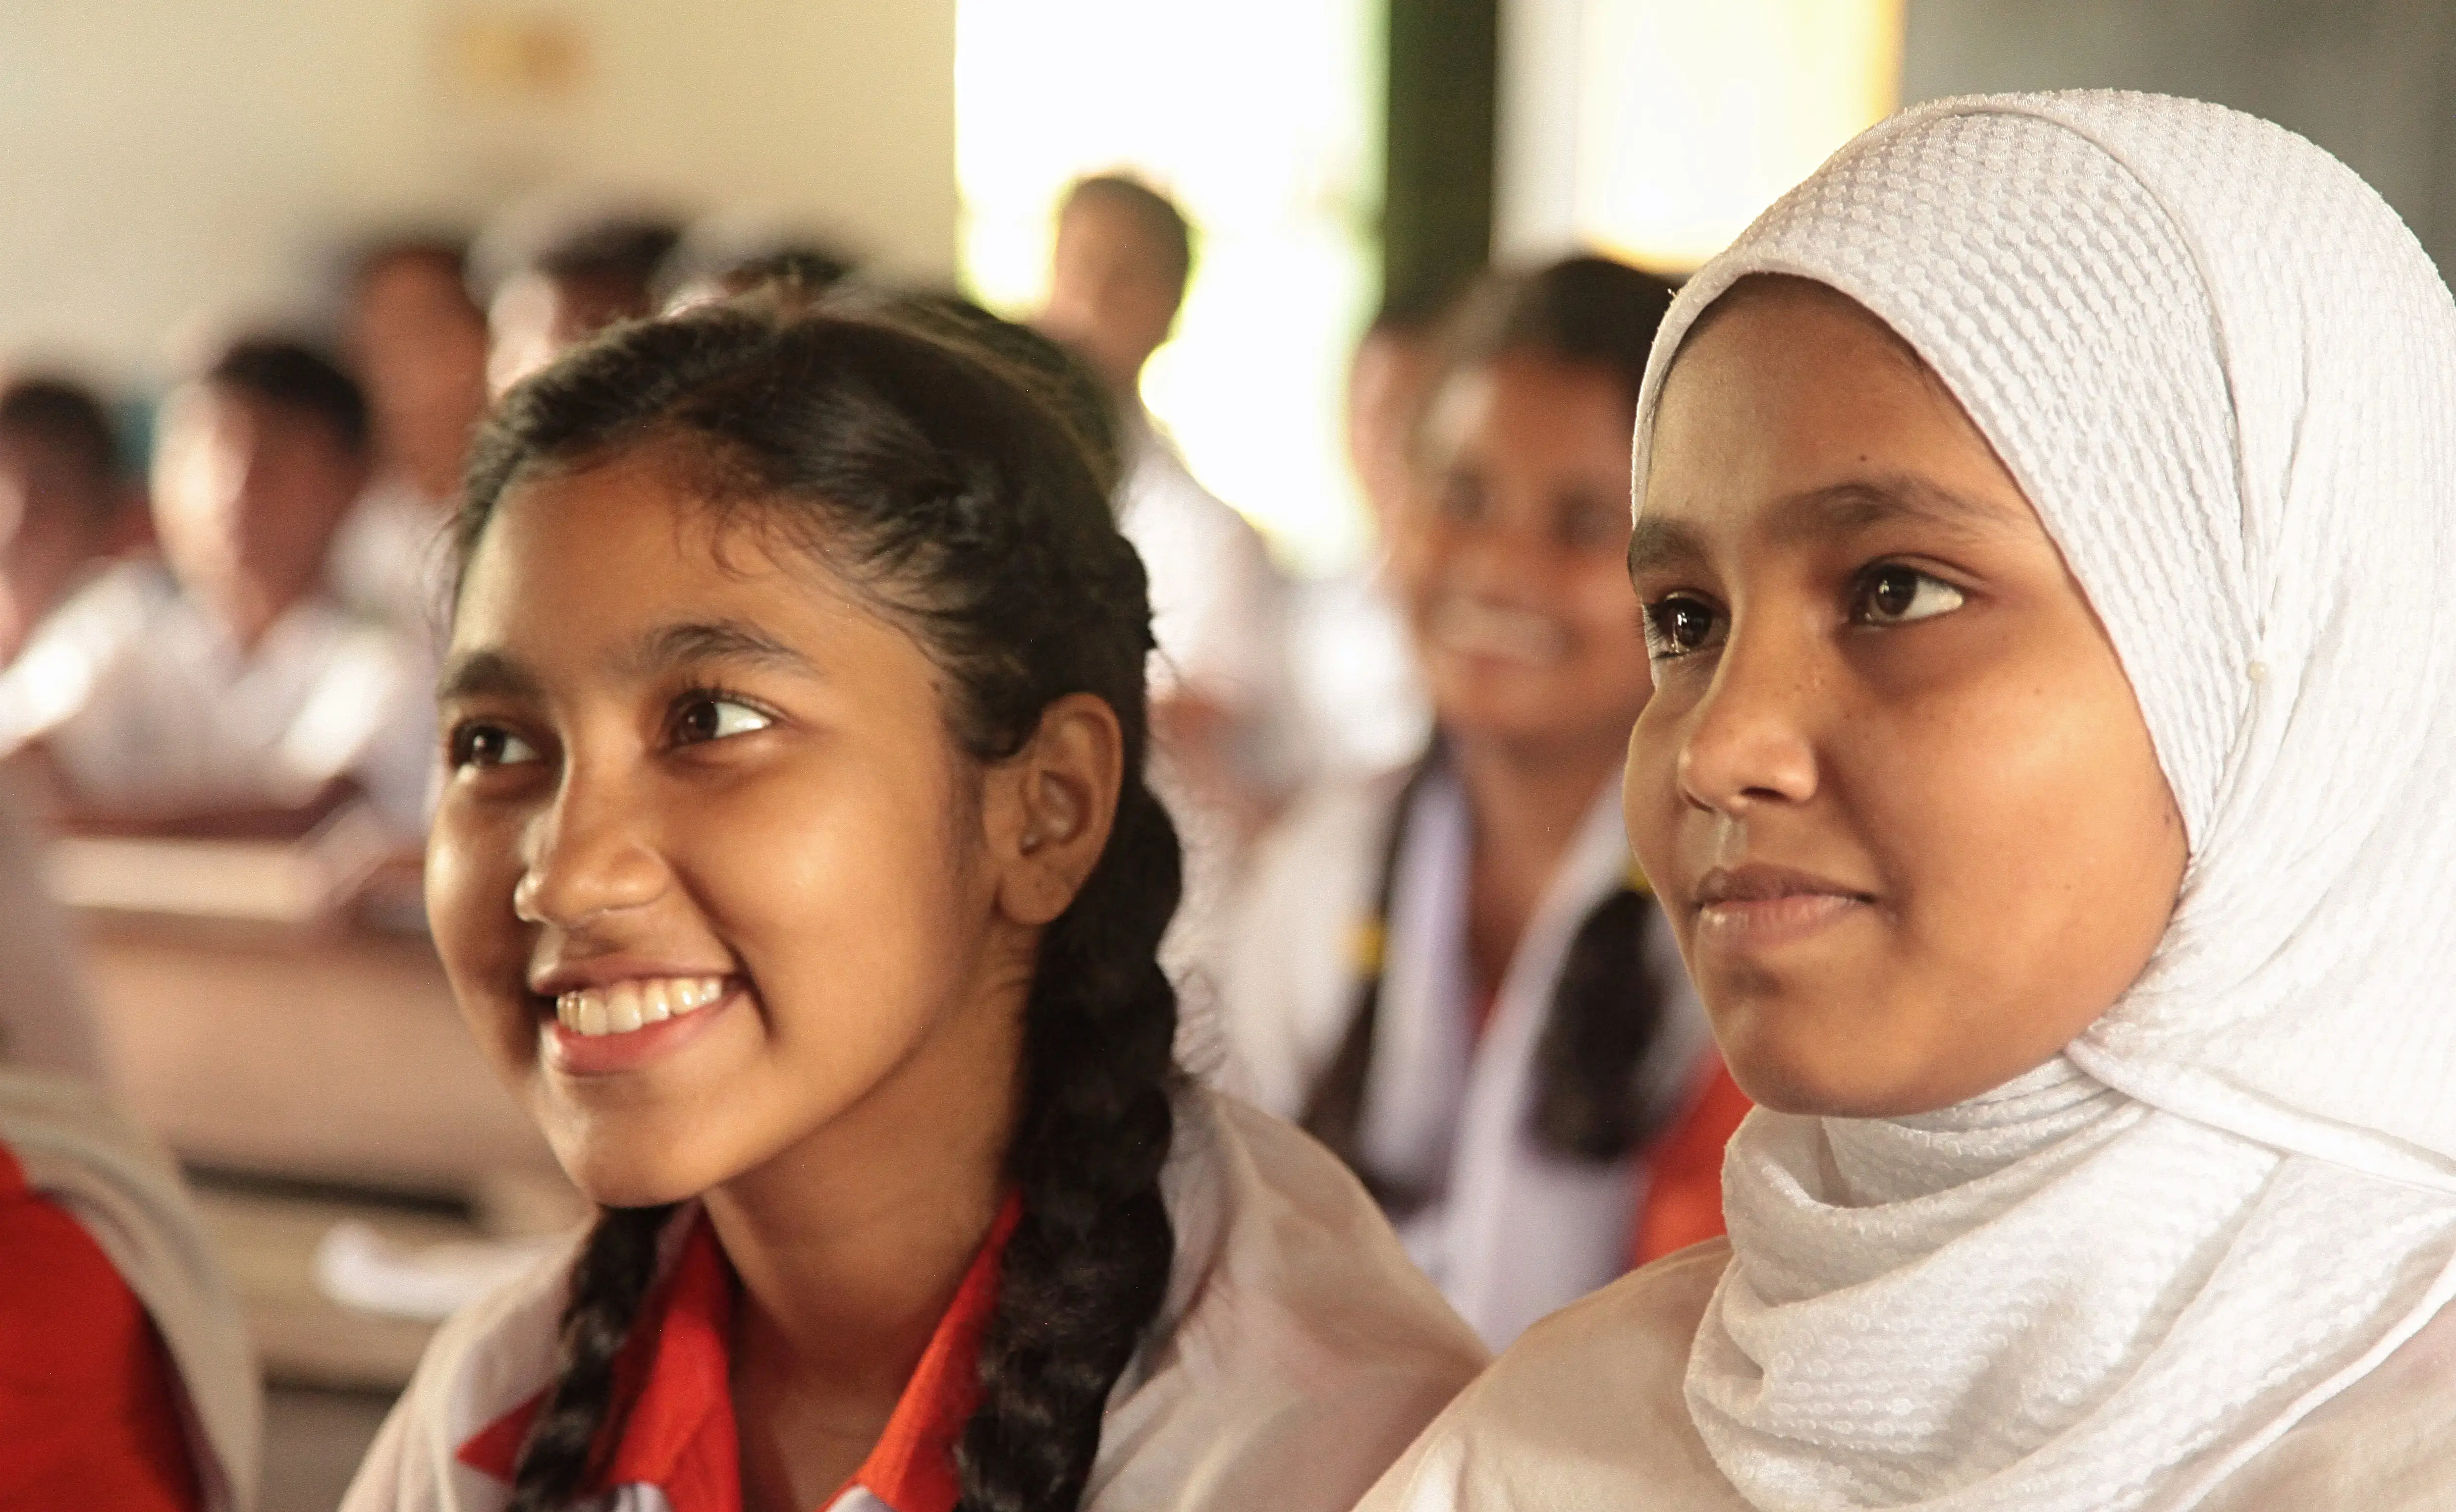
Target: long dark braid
[(931, 470)]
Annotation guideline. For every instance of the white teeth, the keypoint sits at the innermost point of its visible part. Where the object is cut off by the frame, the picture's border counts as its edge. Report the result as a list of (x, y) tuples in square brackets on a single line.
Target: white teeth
[(619, 1008), (622, 1008)]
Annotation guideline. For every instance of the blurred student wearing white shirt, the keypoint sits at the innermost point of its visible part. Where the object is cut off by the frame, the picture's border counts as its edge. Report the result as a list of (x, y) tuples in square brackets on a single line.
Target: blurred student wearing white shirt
[(225, 691), (1226, 736), (1449, 970), (418, 345), (62, 500)]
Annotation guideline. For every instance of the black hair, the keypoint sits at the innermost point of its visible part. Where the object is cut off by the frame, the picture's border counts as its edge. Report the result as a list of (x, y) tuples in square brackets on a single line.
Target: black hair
[(1590, 1096), (1586, 311), (66, 419), (940, 488), (1156, 215), (295, 376), (624, 250)]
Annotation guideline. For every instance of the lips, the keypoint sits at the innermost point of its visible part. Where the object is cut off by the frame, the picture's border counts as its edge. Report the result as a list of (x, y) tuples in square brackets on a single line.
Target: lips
[(1757, 906)]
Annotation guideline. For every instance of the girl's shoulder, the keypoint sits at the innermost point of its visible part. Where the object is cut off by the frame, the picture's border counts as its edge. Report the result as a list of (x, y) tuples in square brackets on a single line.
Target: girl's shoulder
[(1584, 1409), (1298, 1351), (485, 1360)]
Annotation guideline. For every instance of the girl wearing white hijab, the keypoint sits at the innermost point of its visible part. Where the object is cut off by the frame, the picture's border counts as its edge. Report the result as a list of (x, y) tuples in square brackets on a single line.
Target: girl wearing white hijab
[(2047, 522)]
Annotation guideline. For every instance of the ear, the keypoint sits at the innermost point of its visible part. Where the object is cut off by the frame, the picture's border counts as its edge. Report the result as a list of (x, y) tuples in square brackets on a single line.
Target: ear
[(1050, 806)]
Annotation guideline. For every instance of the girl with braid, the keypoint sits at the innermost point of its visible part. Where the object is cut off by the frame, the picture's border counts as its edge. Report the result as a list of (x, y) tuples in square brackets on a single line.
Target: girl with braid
[(1451, 971), (794, 865)]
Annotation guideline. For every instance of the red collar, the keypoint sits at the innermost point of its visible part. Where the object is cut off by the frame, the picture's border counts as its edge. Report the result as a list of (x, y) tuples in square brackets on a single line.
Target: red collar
[(675, 1369)]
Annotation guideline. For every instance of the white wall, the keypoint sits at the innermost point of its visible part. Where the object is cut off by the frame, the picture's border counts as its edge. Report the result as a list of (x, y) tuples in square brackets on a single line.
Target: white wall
[(2373, 81), (166, 159)]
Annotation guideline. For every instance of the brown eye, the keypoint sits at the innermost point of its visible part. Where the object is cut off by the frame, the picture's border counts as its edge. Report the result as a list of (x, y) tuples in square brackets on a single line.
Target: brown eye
[(1678, 626), (476, 744), (1892, 594), (702, 718)]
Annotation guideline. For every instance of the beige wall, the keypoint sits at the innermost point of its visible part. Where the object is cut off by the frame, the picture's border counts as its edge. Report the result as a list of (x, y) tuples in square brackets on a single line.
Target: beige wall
[(166, 161)]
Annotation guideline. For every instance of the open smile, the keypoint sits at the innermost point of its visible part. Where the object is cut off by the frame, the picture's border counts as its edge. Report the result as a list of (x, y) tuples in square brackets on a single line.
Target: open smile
[(630, 1023)]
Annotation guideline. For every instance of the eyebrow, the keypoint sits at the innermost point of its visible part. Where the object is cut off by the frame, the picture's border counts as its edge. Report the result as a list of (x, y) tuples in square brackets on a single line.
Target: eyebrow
[(1837, 509), (692, 642), (484, 674)]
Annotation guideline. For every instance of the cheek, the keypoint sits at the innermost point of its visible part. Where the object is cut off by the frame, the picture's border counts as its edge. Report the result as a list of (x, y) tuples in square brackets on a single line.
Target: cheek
[(471, 869), (2029, 832)]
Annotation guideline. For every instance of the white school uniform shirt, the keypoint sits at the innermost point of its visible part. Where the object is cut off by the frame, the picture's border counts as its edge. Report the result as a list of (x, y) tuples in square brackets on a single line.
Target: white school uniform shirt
[(145, 702), (1589, 1410), (1513, 1230), (1296, 1356), (1364, 705), (1219, 616), (391, 560)]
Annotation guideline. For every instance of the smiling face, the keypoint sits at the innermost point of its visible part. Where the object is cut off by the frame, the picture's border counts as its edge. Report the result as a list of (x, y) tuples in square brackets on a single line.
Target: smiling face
[(1893, 788), (1510, 565), (687, 775)]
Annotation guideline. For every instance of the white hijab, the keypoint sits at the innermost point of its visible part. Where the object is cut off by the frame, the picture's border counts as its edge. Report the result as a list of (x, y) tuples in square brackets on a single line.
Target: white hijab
[(2225, 375)]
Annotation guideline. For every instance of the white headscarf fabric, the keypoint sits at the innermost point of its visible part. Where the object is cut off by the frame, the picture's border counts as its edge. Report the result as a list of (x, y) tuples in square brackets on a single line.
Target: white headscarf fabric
[(2225, 375)]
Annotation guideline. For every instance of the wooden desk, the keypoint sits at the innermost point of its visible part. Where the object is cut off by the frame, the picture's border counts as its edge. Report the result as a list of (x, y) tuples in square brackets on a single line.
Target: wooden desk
[(312, 1054)]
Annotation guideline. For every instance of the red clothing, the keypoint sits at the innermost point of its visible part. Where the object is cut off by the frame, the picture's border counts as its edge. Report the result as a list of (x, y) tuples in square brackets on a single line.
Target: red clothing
[(675, 1370), (1683, 1172), (89, 1401)]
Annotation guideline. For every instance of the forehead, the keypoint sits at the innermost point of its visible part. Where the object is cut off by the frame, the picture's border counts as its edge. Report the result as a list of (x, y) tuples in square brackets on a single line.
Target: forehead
[(1794, 414)]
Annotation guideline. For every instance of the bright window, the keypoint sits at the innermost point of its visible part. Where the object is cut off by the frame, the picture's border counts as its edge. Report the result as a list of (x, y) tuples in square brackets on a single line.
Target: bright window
[(1263, 120), (1658, 129)]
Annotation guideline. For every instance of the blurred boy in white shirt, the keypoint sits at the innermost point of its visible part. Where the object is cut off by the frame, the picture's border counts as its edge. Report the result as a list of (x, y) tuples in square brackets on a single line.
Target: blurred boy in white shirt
[(225, 691)]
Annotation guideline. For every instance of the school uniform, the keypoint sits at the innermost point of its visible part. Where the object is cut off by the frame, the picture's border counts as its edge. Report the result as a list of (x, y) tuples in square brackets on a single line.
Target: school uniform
[(1219, 619), (124, 1376), (1295, 1356), (391, 561), (1364, 885), (146, 704), (2203, 1259)]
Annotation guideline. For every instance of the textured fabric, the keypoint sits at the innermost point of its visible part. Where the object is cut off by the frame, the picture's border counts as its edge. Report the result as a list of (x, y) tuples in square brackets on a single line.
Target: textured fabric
[(2225, 375)]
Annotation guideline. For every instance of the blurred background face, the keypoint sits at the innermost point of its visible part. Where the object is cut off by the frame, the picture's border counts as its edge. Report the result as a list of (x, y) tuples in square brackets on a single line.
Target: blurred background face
[(536, 315), (246, 497), (1385, 392), (1509, 565), (420, 350), (1892, 787), (1111, 296), (53, 516)]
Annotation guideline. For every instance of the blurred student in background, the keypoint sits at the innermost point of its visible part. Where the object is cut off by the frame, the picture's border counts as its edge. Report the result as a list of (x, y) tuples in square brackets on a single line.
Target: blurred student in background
[(1116, 280), (418, 343), (1451, 970), (62, 500), (128, 1382), (1354, 672), (225, 691), (727, 252), (556, 282)]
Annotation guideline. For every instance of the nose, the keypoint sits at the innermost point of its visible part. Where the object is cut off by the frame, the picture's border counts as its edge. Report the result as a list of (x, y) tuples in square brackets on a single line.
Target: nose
[(1748, 743), (588, 855)]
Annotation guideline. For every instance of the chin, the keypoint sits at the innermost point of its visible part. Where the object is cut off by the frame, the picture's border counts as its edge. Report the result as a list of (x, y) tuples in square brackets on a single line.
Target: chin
[(1817, 1076)]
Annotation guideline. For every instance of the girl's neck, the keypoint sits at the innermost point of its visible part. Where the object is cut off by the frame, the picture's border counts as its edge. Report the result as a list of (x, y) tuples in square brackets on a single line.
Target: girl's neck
[(1525, 805), (848, 1248)]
